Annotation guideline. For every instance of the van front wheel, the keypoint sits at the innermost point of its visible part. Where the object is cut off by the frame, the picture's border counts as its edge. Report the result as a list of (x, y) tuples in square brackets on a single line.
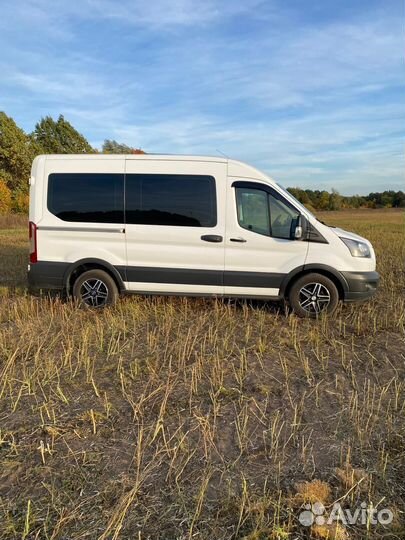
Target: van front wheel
[(95, 289), (312, 295)]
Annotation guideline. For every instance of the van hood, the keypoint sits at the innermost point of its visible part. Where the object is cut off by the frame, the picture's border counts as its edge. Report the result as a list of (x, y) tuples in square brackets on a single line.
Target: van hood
[(348, 234)]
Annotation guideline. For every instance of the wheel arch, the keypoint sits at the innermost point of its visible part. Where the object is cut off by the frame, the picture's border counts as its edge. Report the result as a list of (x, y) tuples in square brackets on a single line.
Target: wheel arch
[(323, 269), (77, 268)]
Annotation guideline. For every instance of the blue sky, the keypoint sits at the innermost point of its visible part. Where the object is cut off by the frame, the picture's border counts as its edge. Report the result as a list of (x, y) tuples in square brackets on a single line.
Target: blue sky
[(310, 91)]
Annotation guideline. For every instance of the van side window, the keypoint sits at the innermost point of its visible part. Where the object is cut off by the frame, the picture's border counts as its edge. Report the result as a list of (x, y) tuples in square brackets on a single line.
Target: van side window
[(171, 199), (87, 197), (253, 210), (265, 213), (283, 218)]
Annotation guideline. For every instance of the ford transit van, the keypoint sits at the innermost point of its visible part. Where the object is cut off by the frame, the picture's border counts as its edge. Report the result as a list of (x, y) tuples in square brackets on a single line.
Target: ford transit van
[(104, 225)]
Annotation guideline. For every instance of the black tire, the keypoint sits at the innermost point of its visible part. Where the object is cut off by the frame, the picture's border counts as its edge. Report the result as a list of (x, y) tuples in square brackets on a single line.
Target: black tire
[(313, 295), (95, 289)]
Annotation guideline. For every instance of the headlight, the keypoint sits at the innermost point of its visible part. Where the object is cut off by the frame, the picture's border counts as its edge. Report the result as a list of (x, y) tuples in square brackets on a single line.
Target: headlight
[(356, 248)]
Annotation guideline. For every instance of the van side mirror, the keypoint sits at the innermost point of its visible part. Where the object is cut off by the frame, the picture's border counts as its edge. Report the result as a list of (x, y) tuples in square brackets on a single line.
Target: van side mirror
[(300, 228)]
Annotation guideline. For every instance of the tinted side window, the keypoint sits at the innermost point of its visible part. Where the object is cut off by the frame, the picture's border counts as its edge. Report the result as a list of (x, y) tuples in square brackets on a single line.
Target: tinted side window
[(253, 210), (88, 197), (168, 199)]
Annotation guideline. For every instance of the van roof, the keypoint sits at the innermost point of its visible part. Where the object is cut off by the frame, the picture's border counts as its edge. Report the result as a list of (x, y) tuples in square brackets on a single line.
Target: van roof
[(235, 168), (173, 157)]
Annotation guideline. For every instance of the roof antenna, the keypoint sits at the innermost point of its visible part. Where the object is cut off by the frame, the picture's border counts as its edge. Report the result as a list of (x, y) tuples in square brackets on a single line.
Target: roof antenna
[(219, 152)]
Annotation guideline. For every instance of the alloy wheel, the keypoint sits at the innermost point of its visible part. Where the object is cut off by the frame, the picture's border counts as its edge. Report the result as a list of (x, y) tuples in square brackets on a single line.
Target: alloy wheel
[(314, 297), (94, 292)]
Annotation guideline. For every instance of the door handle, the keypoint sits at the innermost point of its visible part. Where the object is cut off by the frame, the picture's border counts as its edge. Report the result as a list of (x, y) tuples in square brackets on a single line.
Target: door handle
[(239, 239), (211, 238)]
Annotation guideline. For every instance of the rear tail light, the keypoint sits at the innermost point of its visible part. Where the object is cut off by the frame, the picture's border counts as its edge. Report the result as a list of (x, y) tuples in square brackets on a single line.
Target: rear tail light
[(33, 242)]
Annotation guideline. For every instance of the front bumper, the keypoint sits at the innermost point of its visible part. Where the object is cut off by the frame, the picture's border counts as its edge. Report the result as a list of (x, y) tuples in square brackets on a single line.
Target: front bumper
[(360, 285)]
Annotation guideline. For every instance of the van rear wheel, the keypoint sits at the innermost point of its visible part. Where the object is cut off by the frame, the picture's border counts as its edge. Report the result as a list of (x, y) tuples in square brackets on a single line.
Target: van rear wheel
[(313, 295), (95, 289)]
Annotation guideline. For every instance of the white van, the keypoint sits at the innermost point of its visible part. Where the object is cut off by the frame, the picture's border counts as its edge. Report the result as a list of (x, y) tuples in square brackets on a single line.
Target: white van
[(101, 225)]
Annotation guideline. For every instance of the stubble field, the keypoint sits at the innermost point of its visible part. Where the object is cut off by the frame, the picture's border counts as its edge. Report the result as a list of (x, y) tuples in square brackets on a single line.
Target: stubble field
[(172, 418)]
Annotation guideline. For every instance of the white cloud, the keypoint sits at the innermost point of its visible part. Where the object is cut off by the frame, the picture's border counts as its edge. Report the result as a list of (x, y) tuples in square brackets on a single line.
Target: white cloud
[(156, 14), (313, 102)]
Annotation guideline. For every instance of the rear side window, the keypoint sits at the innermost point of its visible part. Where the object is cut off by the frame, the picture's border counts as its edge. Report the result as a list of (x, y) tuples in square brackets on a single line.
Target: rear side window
[(170, 199), (87, 197)]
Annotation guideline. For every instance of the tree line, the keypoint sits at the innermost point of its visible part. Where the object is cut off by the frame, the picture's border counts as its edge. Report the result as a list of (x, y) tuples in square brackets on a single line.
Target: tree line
[(18, 149), (323, 200)]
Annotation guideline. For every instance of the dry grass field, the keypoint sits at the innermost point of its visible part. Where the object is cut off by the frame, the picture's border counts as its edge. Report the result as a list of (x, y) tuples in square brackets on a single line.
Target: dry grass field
[(172, 418)]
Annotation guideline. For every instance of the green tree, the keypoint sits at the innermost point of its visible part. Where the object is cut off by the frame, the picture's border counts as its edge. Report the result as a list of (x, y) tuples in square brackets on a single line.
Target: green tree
[(323, 202), (335, 200), (300, 194), (114, 147), (20, 201), (5, 198), (17, 150), (399, 200), (60, 137), (387, 198)]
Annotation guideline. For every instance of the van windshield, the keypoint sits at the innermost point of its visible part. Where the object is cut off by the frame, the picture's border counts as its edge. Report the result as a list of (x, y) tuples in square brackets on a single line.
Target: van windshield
[(297, 203)]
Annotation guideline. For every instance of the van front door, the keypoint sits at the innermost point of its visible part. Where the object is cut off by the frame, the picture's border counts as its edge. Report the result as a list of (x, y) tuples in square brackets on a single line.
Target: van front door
[(175, 226), (259, 248)]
